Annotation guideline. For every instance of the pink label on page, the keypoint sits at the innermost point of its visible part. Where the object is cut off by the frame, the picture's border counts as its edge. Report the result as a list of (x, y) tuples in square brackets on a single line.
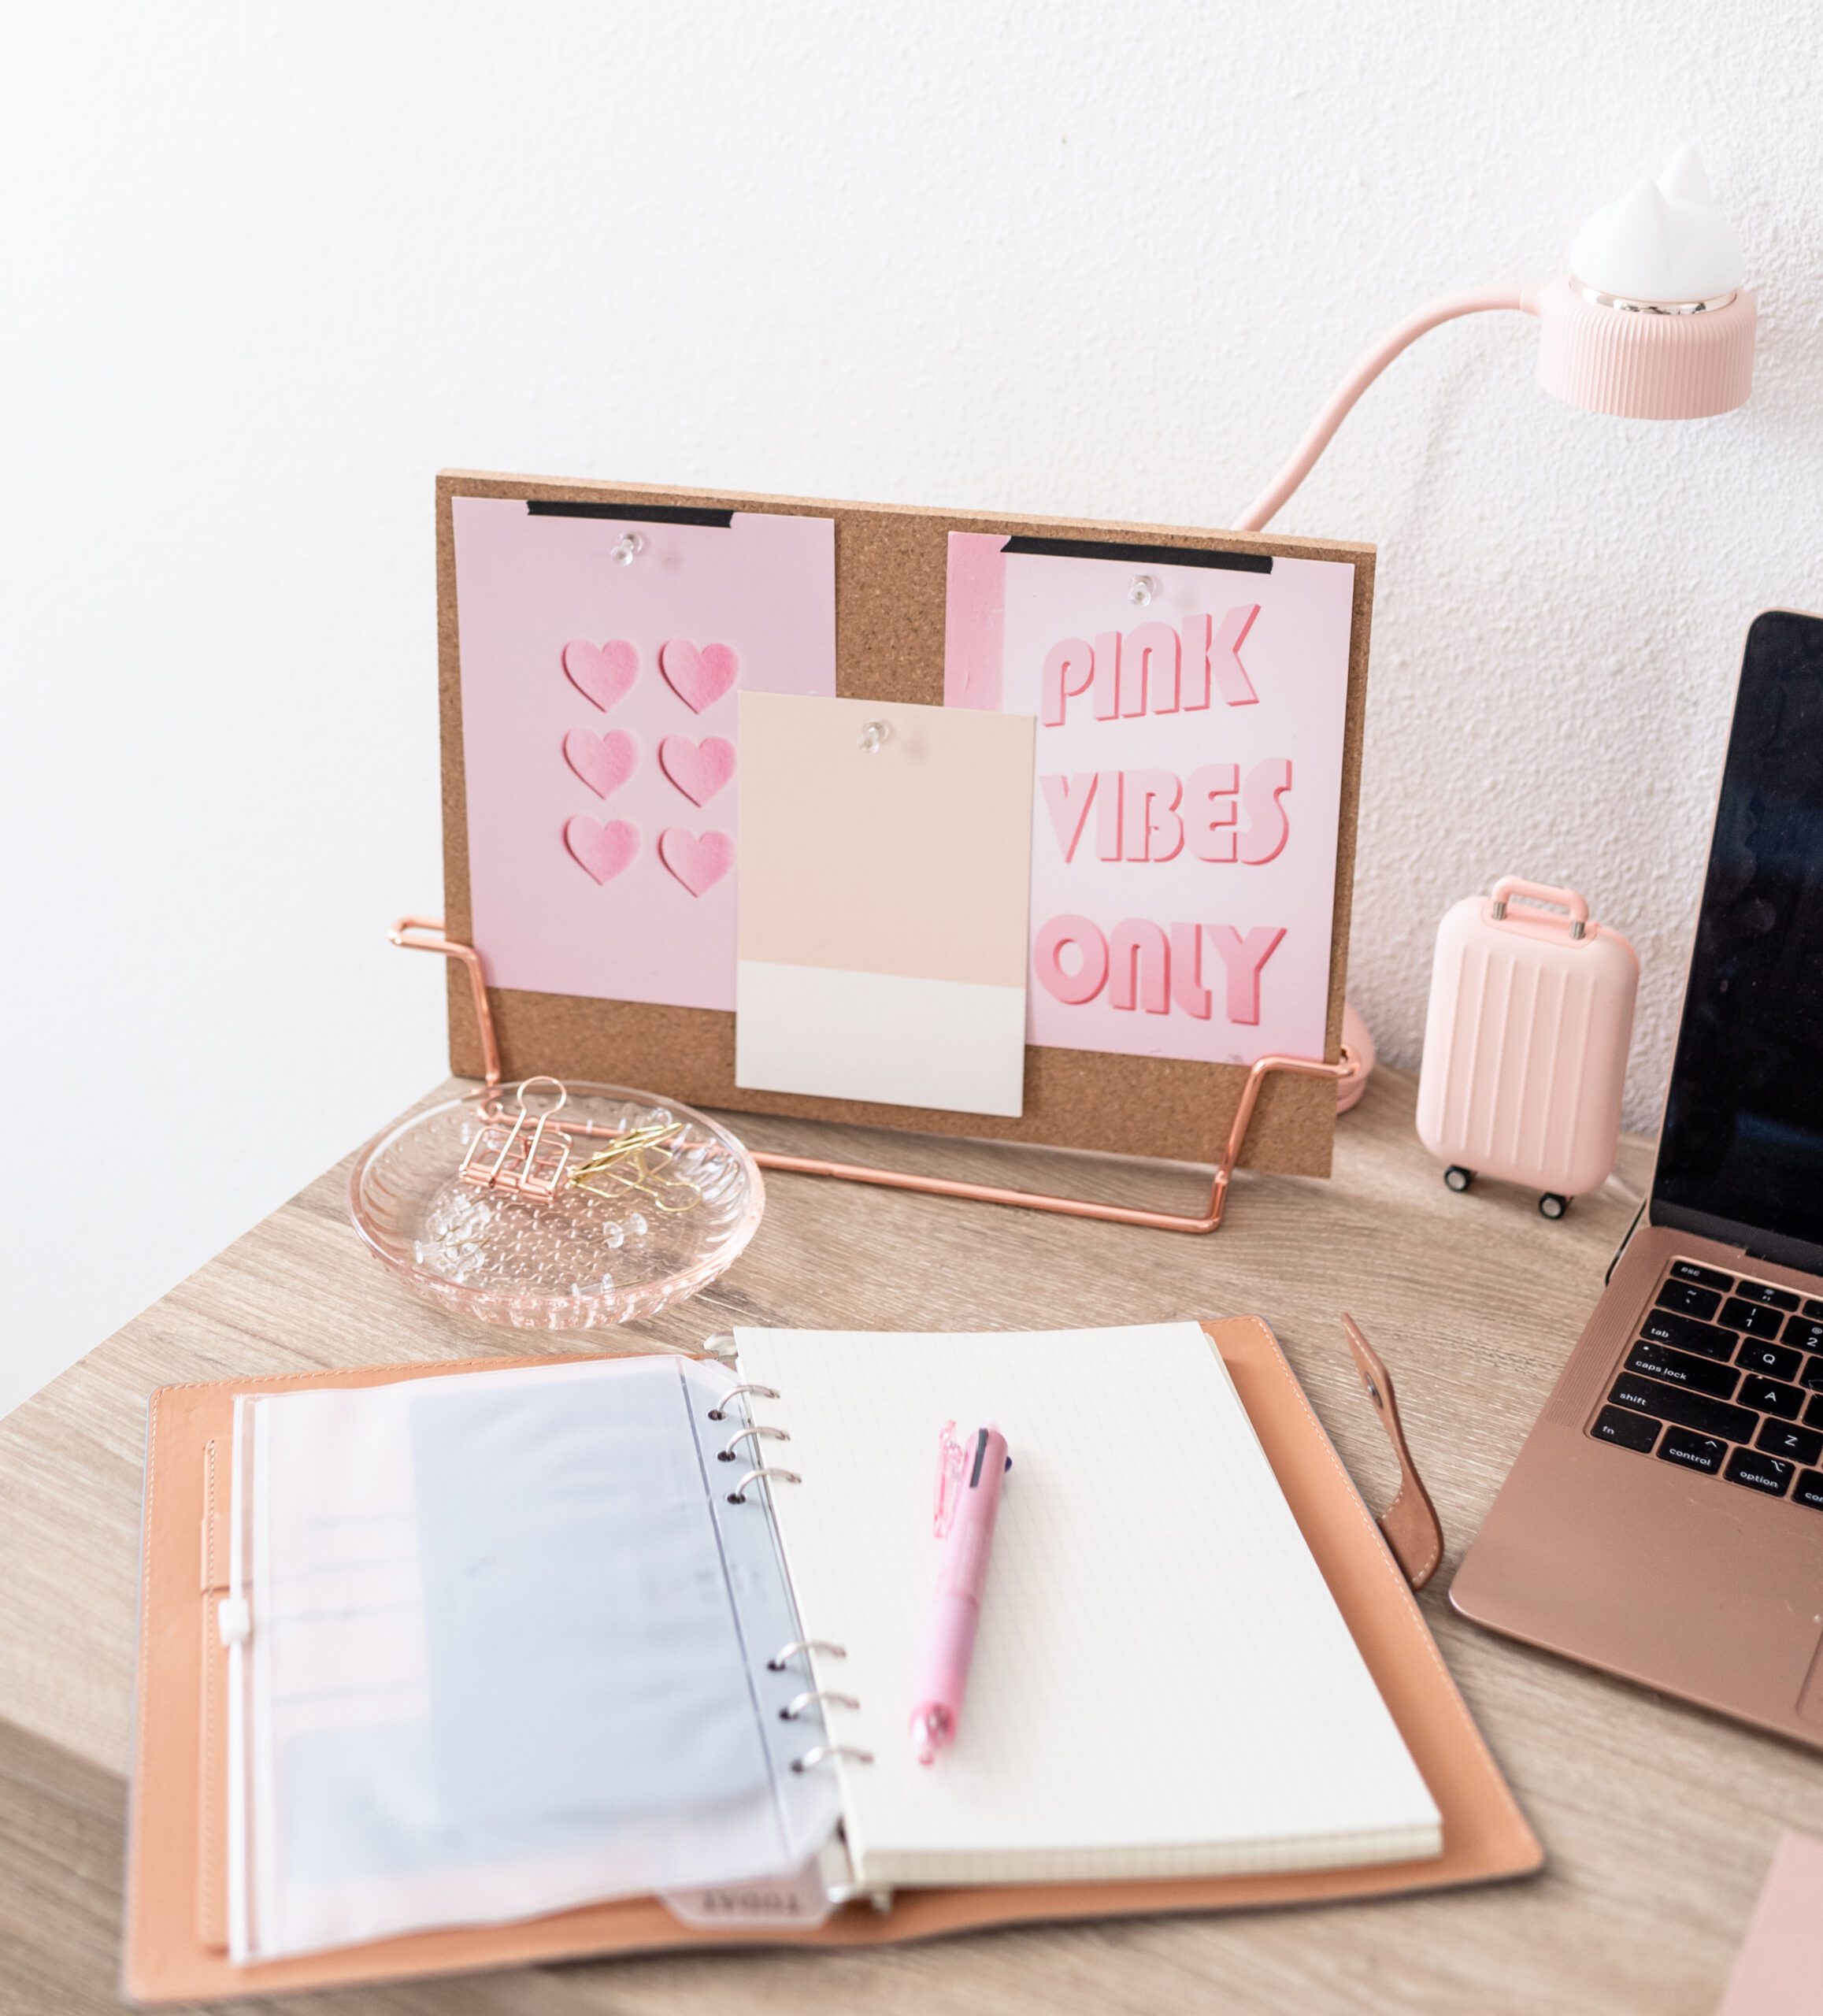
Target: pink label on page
[(598, 723), (1188, 792)]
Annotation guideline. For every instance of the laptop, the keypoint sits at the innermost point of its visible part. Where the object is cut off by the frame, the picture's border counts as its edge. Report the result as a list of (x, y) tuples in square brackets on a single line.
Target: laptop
[(1664, 1521)]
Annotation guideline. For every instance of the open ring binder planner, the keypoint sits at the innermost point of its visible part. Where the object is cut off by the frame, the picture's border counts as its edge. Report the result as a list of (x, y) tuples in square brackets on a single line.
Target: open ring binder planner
[(1359, 1772), (419, 934)]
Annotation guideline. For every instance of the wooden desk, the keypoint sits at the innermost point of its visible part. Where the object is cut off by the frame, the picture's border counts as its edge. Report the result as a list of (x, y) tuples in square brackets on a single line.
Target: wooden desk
[(1659, 1820)]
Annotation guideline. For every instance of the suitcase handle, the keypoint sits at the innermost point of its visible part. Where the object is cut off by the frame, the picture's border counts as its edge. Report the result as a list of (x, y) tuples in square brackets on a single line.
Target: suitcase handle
[(1510, 886)]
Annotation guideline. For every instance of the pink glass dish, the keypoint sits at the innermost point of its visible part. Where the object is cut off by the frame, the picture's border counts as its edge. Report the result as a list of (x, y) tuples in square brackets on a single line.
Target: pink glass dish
[(577, 1261)]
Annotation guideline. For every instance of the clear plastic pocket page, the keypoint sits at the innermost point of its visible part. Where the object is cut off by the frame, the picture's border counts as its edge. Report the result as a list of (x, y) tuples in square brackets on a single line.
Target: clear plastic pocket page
[(507, 1644)]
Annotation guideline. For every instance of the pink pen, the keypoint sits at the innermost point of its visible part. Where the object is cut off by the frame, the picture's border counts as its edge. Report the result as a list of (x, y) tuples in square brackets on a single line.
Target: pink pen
[(968, 1499)]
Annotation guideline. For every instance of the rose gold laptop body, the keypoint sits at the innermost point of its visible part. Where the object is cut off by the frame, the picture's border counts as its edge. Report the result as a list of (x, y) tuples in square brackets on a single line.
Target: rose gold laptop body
[(1696, 1585), (1649, 1561)]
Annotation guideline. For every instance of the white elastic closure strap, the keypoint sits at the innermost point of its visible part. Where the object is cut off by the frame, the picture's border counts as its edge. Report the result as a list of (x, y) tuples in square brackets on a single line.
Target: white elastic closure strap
[(234, 1620)]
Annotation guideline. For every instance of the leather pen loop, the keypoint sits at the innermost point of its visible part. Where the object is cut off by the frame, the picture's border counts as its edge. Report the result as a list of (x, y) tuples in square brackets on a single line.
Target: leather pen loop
[(1409, 1523)]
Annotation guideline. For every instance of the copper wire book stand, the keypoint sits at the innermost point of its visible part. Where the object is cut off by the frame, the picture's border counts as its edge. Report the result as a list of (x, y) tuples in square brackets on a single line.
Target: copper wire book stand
[(420, 934)]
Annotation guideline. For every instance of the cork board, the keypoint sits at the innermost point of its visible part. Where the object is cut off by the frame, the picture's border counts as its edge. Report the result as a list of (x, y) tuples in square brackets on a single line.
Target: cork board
[(891, 566)]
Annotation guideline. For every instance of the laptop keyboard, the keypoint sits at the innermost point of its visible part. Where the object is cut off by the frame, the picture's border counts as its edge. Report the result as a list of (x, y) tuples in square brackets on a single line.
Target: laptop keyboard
[(1725, 1376)]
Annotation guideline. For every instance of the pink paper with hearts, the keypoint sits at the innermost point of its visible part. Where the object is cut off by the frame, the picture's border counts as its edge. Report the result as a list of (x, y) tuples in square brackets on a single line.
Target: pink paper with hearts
[(599, 702)]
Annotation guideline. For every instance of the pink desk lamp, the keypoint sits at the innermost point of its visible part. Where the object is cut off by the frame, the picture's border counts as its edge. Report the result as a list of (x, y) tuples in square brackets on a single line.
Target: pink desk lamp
[(1650, 323)]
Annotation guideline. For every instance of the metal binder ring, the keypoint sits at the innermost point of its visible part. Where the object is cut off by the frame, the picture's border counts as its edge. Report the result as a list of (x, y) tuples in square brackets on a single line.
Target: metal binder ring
[(776, 1663), (793, 1708), (735, 1440), (821, 1753), (765, 1392), (738, 1494)]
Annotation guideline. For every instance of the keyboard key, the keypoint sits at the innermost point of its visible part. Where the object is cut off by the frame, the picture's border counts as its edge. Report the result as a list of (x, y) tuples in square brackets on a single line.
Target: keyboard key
[(1814, 1307), (1695, 1452), (1762, 1292), (1785, 1438), (1812, 1375), (1809, 1490), (1770, 1397), (1686, 1334), (1704, 1278), (1688, 1300), (1687, 1410), (1631, 1431), (1758, 1472), (1754, 1317), (1776, 1361), (1813, 1413), (1804, 1333), (1701, 1375)]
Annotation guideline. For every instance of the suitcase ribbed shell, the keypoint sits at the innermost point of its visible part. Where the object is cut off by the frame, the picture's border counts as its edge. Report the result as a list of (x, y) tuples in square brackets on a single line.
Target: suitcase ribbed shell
[(1526, 1045)]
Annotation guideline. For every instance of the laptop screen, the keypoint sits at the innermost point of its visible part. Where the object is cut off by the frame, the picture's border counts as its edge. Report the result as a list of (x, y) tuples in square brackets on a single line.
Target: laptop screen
[(1742, 1144)]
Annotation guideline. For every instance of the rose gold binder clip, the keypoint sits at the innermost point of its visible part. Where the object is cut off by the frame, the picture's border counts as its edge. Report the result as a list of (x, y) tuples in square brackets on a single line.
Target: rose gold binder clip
[(522, 1152)]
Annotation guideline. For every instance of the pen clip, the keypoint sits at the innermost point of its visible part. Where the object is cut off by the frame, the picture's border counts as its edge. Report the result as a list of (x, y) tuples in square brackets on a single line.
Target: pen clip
[(952, 1460)]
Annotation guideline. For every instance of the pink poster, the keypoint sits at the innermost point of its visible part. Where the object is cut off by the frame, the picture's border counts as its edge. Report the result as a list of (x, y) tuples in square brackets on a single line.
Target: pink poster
[(601, 658), (1188, 784)]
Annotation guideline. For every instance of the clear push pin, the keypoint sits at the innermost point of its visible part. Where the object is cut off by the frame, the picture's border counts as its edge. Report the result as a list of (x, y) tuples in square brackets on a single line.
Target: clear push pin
[(875, 736), (1141, 590), (631, 544)]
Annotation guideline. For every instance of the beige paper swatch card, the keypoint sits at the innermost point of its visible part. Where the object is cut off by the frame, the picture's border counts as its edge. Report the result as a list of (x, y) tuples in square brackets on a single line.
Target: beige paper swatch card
[(884, 875)]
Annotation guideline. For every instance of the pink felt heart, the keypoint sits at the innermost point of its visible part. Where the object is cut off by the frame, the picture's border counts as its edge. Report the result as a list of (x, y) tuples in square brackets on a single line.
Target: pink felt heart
[(604, 762), (699, 861), (600, 673), (603, 851), (699, 678), (699, 769)]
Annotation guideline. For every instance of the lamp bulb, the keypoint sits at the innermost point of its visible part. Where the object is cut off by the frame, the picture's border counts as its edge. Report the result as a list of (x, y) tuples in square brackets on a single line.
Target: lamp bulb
[(1666, 244)]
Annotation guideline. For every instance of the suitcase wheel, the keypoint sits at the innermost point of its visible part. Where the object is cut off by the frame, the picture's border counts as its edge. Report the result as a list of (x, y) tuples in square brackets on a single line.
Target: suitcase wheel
[(1551, 1205), (1458, 1178)]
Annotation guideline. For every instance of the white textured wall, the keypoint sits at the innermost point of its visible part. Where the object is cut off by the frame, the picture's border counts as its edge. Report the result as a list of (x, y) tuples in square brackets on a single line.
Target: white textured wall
[(266, 269)]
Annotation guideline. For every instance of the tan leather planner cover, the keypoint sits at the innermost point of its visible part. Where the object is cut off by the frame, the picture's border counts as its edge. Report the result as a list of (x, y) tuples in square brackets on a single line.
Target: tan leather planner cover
[(176, 1943)]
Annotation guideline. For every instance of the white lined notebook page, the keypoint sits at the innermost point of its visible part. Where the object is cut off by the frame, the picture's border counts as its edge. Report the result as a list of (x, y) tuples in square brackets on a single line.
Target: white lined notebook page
[(1162, 1684)]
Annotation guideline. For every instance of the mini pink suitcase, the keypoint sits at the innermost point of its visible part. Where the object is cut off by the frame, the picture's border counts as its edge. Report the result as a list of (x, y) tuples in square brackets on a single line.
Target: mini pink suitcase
[(1525, 1042)]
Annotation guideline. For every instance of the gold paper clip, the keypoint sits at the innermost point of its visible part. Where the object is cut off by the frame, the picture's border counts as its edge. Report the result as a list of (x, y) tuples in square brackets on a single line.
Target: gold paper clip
[(632, 1141), (635, 1162), (517, 1154)]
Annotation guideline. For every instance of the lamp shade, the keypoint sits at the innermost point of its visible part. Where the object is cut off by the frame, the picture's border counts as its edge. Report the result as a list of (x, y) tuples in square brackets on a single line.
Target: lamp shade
[(1641, 365), (1652, 322)]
